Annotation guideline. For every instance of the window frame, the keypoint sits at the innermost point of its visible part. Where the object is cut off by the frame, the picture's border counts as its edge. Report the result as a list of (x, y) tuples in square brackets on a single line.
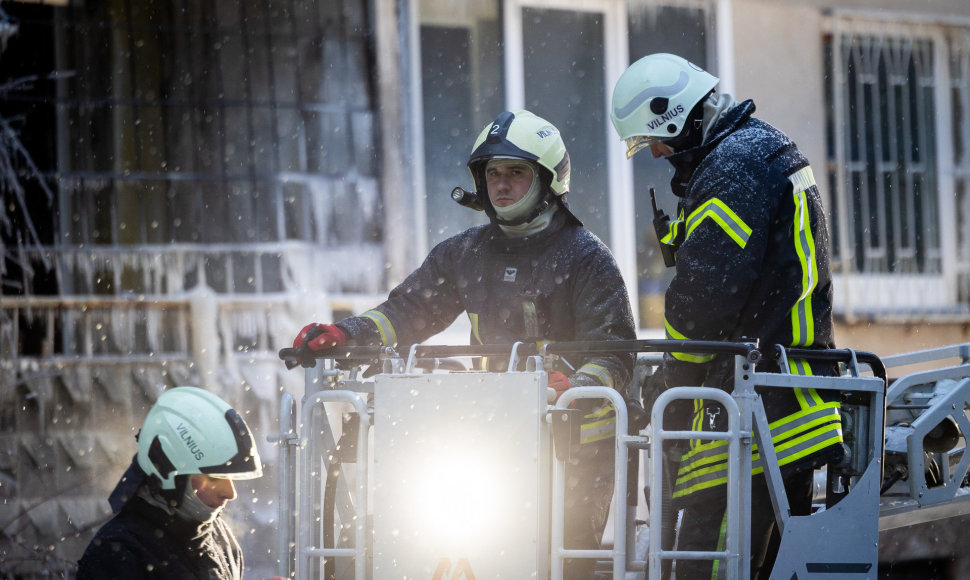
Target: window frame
[(894, 295)]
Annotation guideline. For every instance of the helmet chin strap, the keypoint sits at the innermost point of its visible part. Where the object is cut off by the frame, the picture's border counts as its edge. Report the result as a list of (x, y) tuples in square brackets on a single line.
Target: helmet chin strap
[(538, 198), (181, 501), (537, 210), (193, 509)]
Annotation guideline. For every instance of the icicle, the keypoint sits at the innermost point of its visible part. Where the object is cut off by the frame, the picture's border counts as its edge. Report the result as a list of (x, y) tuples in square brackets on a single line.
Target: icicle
[(229, 376), (368, 198), (86, 264), (203, 319), (321, 200), (120, 330), (153, 329)]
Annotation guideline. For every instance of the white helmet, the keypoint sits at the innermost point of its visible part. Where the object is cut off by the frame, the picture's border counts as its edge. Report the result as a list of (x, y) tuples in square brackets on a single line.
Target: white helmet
[(189, 431), (654, 96), (522, 135)]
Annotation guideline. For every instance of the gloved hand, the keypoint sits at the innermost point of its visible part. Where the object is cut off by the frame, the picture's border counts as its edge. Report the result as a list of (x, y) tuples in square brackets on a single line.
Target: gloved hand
[(559, 382), (319, 337), (678, 412)]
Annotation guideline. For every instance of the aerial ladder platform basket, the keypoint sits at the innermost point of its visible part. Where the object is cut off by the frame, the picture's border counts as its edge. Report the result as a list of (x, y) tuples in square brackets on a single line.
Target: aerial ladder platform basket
[(413, 466)]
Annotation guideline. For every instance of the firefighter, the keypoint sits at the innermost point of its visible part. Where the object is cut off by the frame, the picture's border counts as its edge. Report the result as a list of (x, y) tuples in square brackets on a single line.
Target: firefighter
[(751, 254), (167, 505), (532, 274)]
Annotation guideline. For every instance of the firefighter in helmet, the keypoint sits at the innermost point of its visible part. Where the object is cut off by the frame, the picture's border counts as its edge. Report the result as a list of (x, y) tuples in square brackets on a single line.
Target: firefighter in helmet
[(532, 274), (191, 447), (751, 255)]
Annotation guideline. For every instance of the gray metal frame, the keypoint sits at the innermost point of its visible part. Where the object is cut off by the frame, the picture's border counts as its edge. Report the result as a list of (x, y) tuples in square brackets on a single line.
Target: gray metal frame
[(846, 550), (851, 543), (914, 394)]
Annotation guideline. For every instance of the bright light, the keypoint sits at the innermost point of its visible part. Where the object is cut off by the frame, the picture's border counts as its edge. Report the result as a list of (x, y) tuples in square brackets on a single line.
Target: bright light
[(459, 473), (458, 498)]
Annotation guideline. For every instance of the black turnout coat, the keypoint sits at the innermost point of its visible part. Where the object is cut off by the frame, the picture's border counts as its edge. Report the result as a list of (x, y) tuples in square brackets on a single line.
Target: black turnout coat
[(561, 284)]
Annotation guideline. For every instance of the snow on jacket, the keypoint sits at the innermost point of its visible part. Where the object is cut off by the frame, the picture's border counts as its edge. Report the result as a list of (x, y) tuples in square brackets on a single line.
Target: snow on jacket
[(142, 541), (561, 284), (752, 263)]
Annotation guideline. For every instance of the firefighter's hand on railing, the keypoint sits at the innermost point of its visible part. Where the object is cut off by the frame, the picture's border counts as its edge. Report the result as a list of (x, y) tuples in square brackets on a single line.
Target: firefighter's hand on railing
[(559, 382), (320, 337), (313, 339)]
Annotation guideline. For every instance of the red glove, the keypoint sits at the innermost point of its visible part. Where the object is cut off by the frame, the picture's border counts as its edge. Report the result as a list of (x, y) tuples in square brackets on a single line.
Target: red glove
[(559, 382), (320, 337)]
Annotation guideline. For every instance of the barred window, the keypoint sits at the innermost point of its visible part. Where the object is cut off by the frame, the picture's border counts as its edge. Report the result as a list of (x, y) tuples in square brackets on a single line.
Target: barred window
[(897, 99)]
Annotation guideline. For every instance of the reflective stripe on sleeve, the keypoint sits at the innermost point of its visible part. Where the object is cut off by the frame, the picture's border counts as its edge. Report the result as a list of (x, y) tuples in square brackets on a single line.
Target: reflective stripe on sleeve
[(598, 372), (802, 320), (384, 326), (672, 334), (724, 216), (473, 319), (598, 425)]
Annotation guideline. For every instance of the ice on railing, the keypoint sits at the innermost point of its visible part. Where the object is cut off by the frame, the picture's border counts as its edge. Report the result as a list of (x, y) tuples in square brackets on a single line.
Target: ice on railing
[(205, 332), (164, 270)]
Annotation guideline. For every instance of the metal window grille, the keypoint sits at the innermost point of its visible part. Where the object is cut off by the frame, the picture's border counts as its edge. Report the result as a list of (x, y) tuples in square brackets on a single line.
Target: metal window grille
[(959, 43), (900, 244), (888, 154)]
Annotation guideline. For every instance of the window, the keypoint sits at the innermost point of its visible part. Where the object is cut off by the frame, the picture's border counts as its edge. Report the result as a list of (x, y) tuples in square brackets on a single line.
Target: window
[(208, 137), (558, 61), (462, 88), (897, 146)]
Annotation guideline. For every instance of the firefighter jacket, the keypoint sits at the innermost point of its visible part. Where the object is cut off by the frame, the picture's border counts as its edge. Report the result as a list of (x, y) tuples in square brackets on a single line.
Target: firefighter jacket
[(560, 284), (752, 262), (143, 541)]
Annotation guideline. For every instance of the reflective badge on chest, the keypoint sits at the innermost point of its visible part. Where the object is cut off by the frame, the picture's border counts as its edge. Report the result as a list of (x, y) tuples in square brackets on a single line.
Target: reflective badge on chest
[(510, 273)]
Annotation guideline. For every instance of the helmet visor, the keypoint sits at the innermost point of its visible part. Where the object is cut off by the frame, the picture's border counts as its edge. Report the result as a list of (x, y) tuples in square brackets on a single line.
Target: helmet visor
[(638, 143), (245, 464)]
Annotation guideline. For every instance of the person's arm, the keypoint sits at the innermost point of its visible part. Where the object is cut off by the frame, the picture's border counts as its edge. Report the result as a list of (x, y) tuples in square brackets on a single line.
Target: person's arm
[(424, 304), (602, 313)]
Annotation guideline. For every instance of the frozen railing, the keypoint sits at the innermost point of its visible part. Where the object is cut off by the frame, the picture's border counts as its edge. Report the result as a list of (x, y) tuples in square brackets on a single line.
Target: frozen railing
[(100, 327), (236, 268)]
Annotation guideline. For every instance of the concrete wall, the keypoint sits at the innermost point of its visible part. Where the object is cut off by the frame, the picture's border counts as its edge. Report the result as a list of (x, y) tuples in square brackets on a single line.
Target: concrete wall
[(778, 63)]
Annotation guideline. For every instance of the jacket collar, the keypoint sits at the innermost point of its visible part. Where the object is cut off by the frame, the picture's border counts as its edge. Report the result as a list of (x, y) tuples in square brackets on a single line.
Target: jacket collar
[(686, 162)]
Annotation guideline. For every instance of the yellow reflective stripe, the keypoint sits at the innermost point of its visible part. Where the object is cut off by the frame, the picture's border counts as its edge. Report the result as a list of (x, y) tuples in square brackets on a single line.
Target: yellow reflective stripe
[(802, 320), (602, 425), (715, 473), (729, 221), (817, 400), (697, 419), (683, 356), (598, 372), (799, 367), (722, 479), (473, 319), (599, 411), (721, 538), (825, 425), (600, 434), (672, 231), (794, 437), (802, 368), (384, 326)]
